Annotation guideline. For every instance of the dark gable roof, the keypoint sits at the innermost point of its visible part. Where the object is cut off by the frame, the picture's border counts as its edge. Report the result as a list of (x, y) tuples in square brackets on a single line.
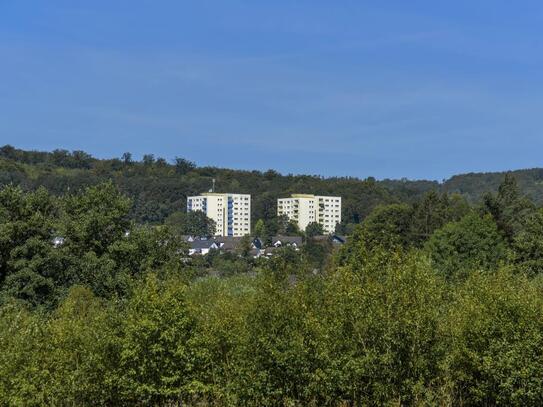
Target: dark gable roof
[(287, 240), (336, 239), (227, 239), (339, 239), (229, 245), (202, 244), (257, 243), (254, 252)]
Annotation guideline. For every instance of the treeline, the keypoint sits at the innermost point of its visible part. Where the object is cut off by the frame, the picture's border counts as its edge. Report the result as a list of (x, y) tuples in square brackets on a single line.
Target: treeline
[(159, 188), (431, 303)]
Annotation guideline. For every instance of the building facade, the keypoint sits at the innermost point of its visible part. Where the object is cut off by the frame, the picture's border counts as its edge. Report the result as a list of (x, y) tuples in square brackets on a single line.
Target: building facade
[(231, 212), (304, 209)]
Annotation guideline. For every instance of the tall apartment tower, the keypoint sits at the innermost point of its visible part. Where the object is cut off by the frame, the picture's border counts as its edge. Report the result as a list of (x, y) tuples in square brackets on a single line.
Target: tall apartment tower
[(231, 212), (304, 209)]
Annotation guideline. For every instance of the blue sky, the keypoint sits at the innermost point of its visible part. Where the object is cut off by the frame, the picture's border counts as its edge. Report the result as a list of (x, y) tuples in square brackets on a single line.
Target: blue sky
[(417, 89)]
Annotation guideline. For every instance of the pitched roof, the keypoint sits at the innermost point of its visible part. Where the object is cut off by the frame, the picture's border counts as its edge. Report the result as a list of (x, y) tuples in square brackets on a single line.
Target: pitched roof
[(224, 239), (203, 244), (287, 240), (339, 239), (321, 237), (229, 245), (257, 243)]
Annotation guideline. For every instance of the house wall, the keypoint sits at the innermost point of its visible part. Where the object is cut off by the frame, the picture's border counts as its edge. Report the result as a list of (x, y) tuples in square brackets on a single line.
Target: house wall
[(304, 209), (328, 212), (231, 212)]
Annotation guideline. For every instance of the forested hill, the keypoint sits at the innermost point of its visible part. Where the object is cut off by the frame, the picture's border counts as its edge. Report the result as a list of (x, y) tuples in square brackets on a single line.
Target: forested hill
[(159, 188), (474, 185)]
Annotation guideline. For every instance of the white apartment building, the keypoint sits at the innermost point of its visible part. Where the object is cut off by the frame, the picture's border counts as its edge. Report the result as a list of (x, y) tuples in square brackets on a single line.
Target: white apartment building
[(231, 212), (304, 209)]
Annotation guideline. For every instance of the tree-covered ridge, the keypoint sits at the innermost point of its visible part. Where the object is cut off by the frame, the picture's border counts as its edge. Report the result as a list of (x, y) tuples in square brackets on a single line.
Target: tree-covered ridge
[(474, 185)]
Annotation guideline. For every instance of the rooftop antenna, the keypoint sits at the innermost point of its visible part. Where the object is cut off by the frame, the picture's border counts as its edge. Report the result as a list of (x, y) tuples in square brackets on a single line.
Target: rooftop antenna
[(213, 186)]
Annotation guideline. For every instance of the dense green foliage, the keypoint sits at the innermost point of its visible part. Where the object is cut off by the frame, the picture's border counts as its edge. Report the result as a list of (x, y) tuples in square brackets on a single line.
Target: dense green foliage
[(430, 302), (471, 243), (392, 331), (49, 244), (194, 223)]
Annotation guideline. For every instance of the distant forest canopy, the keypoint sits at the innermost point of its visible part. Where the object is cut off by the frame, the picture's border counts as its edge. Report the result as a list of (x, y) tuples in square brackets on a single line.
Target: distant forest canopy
[(159, 188)]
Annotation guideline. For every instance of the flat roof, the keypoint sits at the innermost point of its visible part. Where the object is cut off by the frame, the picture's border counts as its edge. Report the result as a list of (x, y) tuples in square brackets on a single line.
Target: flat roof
[(310, 196), (220, 194), (303, 196)]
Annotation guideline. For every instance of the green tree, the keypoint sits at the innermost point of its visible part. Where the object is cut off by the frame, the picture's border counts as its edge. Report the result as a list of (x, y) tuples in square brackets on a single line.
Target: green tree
[(25, 350), (244, 247), (183, 166), (344, 228), (388, 226), (220, 306), (94, 219), (67, 357), (472, 243), (433, 211), (82, 159), (292, 229), (193, 223), (31, 287), (260, 229), (276, 356), (148, 159), (527, 245), (285, 226), (379, 336), (314, 229), (160, 359), (82, 355), (316, 252), (22, 217), (457, 207), (127, 158), (143, 251), (509, 208), (494, 350), (28, 265)]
